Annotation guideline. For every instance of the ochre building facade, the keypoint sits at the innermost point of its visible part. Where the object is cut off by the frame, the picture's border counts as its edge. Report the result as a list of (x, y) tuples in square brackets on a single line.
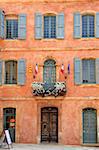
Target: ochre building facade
[(54, 42)]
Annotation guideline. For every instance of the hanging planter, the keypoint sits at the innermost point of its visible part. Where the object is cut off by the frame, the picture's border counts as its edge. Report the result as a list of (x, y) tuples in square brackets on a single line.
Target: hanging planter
[(40, 89)]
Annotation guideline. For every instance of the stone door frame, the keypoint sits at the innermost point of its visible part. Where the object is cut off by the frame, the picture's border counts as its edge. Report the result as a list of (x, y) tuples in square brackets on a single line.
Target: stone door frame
[(43, 104)]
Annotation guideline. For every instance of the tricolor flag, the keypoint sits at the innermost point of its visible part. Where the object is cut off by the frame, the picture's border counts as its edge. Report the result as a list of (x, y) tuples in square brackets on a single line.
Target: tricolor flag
[(36, 69), (68, 68), (62, 68)]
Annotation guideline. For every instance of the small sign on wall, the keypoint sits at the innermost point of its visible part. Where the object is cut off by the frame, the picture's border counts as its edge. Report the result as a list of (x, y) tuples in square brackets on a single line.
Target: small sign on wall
[(8, 138), (30, 69)]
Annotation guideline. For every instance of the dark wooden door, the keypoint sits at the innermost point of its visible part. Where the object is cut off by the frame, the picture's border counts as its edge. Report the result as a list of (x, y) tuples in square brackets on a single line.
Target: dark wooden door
[(9, 115), (89, 126), (49, 124)]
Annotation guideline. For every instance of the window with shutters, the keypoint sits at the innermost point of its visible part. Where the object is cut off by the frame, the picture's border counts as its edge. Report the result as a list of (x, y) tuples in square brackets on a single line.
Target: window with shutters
[(49, 73), (11, 72), (88, 71), (88, 29), (86, 26), (11, 28), (49, 26)]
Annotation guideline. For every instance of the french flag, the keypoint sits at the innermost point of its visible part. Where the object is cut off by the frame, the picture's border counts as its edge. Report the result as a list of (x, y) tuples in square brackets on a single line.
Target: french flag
[(62, 69), (68, 68), (36, 69)]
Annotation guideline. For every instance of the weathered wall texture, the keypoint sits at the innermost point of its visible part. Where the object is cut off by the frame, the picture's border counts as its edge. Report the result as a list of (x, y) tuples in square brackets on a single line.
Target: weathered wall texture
[(37, 51)]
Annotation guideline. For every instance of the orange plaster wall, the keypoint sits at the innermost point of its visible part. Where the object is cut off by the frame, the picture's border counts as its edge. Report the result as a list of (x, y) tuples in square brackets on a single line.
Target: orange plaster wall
[(28, 119), (72, 129), (37, 51), (34, 57)]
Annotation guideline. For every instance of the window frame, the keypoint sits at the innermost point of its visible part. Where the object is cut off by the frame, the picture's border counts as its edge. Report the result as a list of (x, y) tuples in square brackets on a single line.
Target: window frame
[(51, 64), (84, 110), (88, 14), (11, 17), (89, 72), (50, 15), (5, 79)]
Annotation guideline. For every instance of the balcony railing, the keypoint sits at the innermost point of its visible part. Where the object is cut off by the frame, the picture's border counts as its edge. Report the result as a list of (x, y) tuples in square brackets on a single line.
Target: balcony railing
[(43, 89)]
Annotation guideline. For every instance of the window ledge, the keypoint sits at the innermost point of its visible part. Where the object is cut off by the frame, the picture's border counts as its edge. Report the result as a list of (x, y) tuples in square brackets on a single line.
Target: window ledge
[(47, 40), (86, 39), (9, 85), (11, 39), (89, 85), (50, 39)]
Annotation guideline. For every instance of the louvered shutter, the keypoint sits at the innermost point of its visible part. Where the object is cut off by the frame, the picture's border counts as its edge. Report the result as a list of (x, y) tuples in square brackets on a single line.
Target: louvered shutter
[(38, 26), (88, 71), (92, 78), (21, 72), (1, 72), (97, 24), (22, 26), (60, 26), (97, 70), (1, 24), (85, 71), (77, 71), (77, 25)]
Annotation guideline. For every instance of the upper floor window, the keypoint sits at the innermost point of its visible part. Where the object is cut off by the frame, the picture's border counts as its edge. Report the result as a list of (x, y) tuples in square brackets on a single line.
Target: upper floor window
[(88, 71), (10, 72), (46, 26), (11, 28), (88, 26), (49, 26)]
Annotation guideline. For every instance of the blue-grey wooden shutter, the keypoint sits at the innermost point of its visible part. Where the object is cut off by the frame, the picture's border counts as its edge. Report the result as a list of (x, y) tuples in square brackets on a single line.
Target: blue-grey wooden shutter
[(38, 26), (21, 71), (1, 72), (97, 24), (77, 25), (1, 24), (22, 26), (85, 71), (97, 70), (92, 75), (60, 26), (78, 71)]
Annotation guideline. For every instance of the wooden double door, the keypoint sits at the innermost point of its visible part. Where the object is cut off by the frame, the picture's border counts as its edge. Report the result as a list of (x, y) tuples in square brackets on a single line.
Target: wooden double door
[(49, 125)]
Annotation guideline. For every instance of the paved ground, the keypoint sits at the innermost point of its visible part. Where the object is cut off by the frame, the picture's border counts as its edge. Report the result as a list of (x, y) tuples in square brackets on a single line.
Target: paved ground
[(48, 147)]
